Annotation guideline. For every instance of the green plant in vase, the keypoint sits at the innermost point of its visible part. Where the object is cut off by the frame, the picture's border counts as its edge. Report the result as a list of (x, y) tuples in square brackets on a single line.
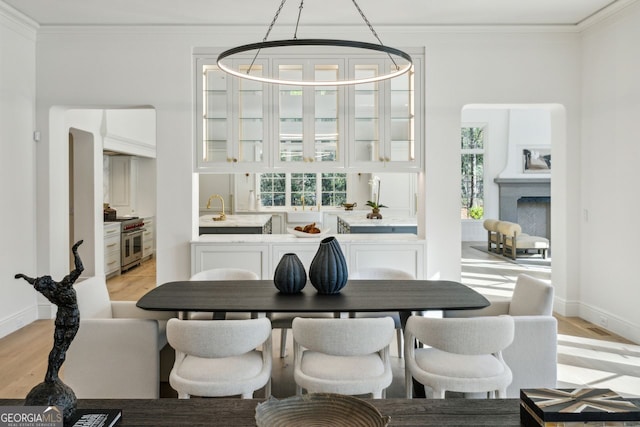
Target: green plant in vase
[(375, 205)]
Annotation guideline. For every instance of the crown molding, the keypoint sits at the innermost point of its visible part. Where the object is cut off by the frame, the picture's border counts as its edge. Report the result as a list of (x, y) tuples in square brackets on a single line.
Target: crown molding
[(604, 14), (17, 21)]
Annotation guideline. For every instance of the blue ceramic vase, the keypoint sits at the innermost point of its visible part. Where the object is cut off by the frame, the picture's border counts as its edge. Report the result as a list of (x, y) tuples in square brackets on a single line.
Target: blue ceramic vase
[(328, 270), (290, 276)]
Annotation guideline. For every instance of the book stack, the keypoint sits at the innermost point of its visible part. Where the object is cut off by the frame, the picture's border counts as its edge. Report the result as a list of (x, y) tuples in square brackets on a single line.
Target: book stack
[(576, 407)]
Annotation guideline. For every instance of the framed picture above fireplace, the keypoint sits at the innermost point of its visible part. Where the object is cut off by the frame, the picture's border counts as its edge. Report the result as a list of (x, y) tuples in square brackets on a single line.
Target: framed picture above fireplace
[(536, 160)]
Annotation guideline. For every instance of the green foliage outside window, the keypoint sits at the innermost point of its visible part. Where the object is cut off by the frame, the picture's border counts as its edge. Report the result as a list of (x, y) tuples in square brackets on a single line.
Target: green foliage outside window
[(472, 172)]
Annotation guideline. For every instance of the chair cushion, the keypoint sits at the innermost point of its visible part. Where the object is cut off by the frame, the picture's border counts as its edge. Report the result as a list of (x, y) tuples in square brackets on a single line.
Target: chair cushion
[(439, 362), (236, 368), (347, 368)]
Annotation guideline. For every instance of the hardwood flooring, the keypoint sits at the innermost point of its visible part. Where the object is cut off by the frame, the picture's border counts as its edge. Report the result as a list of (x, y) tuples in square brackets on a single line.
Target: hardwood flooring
[(23, 354)]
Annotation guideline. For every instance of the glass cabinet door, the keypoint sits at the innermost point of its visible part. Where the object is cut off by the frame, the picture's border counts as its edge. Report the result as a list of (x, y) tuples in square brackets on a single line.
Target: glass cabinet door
[(401, 135), (291, 115), (250, 127), (326, 115), (365, 117), (215, 128), (309, 125)]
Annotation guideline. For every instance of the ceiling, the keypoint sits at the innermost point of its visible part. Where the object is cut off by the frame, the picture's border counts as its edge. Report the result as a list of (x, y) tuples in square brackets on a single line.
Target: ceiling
[(314, 12)]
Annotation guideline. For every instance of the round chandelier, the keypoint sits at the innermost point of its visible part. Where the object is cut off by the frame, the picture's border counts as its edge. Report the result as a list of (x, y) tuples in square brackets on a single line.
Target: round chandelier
[(223, 60)]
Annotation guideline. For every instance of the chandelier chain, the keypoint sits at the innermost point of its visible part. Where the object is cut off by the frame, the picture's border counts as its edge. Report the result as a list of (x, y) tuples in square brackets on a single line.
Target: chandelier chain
[(295, 34), (366, 21), (273, 22)]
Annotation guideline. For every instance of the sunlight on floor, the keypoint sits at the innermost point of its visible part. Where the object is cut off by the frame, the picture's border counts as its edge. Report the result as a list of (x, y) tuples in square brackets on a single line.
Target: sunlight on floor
[(582, 362)]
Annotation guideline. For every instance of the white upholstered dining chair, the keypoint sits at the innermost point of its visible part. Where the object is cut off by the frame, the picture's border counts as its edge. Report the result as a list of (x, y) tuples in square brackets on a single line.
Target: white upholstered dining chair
[(461, 355), (220, 358), (384, 273), (222, 274), (346, 356)]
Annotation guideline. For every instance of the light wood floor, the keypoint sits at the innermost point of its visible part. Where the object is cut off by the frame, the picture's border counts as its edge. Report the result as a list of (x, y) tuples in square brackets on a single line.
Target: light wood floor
[(23, 354)]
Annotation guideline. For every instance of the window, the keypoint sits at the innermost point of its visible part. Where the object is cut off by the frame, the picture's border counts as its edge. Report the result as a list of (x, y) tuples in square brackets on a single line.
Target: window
[(472, 172), (291, 189)]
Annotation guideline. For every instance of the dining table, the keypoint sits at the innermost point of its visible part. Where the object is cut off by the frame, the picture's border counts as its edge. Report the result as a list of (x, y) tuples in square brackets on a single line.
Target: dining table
[(262, 297)]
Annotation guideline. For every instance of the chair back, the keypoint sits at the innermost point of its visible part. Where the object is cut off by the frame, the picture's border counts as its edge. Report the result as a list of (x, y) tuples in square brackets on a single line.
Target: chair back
[(344, 337), (470, 336), (509, 229), (531, 297), (93, 298), (381, 273), (217, 339), (225, 274)]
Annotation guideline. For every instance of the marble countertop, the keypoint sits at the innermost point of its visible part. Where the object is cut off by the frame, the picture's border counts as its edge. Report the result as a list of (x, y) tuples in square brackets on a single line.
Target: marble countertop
[(359, 218), (234, 221), (290, 238)]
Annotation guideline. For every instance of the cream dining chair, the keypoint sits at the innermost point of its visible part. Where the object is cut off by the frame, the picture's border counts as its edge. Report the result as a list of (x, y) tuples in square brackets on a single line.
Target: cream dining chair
[(383, 273), (462, 355), (345, 356), (220, 358), (222, 274)]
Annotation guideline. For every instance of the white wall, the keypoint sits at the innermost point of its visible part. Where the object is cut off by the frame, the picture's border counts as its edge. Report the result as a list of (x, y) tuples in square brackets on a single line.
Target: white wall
[(106, 66), (18, 300), (610, 152), (112, 67)]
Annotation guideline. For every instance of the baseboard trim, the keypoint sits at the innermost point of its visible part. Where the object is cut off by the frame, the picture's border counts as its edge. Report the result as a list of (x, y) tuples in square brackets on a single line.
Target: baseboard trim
[(18, 321), (610, 322)]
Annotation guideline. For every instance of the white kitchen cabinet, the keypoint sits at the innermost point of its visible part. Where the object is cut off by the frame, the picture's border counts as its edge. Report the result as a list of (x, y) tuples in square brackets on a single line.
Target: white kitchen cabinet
[(261, 253), (408, 257), (248, 126), (123, 182), (386, 133), (309, 129), (246, 256), (148, 238), (232, 130), (112, 260)]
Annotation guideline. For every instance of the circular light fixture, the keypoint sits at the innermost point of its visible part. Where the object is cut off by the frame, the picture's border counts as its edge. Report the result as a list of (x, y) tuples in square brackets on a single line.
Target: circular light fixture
[(315, 42)]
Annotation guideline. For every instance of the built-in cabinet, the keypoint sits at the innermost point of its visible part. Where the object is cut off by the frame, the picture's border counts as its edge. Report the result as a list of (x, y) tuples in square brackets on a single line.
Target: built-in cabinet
[(123, 180), (249, 126), (148, 238), (261, 253), (112, 248)]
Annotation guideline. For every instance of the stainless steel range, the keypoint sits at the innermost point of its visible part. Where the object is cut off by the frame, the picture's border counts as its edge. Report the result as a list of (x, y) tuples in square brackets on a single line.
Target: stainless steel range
[(131, 241)]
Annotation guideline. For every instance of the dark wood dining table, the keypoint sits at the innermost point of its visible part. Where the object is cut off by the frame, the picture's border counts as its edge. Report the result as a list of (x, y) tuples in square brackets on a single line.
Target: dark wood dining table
[(235, 412), (261, 296)]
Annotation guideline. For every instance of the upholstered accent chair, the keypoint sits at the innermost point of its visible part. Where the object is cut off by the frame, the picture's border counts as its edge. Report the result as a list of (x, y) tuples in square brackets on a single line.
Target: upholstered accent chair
[(513, 239), (494, 239), (461, 355), (117, 350), (222, 274), (345, 356), (220, 358), (383, 273), (533, 354)]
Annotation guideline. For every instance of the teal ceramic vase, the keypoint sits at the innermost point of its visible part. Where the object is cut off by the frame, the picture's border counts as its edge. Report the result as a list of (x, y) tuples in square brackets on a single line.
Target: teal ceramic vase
[(328, 270), (290, 276)]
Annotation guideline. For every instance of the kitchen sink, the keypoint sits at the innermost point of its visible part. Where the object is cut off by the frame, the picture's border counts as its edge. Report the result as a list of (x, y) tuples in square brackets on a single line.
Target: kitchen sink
[(304, 217)]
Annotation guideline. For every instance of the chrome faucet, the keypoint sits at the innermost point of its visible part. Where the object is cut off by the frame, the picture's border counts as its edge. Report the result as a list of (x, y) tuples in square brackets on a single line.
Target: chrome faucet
[(222, 216)]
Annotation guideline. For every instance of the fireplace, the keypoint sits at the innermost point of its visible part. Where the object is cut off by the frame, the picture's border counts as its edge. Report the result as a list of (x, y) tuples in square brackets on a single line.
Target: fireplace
[(526, 201)]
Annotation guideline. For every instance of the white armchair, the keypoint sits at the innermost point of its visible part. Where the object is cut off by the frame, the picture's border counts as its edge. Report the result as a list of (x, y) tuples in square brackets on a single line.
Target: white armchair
[(346, 356), (116, 352), (533, 354)]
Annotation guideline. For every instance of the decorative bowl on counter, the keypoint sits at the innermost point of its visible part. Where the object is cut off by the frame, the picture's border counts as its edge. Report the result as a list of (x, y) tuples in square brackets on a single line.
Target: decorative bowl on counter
[(298, 233)]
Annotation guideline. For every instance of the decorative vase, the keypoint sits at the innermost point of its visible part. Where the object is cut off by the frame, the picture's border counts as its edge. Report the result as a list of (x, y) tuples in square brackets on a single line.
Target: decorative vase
[(328, 270), (375, 214), (290, 276)]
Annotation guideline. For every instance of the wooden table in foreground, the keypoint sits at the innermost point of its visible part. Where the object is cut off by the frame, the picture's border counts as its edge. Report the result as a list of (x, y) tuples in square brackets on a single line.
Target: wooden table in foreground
[(239, 412), (261, 296)]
